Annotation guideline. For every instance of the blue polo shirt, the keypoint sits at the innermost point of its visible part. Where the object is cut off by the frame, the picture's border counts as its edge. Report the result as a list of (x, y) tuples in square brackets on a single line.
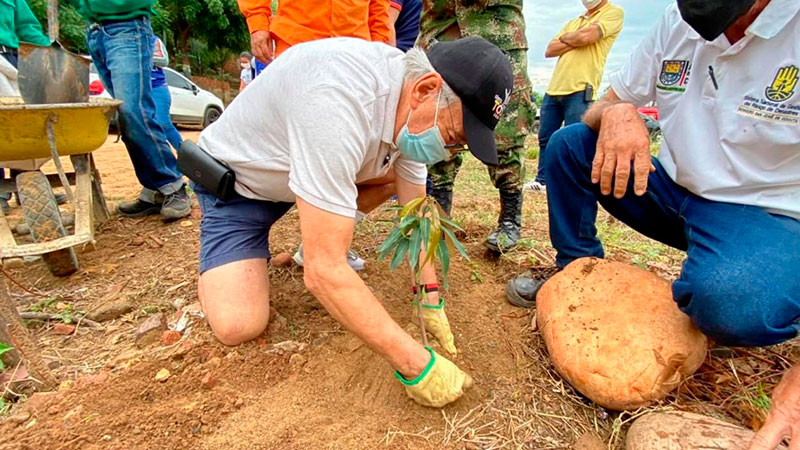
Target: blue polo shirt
[(407, 25)]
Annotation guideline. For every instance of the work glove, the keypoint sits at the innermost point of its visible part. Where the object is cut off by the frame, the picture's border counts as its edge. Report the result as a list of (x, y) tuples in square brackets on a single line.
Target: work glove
[(436, 323), (441, 382)]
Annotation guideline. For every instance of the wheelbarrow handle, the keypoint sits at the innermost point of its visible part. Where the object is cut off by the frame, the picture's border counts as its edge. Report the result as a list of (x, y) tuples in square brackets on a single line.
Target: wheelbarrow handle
[(52, 20)]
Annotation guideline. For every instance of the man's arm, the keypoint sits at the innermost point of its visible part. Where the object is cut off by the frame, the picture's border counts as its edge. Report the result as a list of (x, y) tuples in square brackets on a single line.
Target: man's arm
[(585, 36), (326, 238), (622, 139), (394, 12), (379, 28), (557, 48), (258, 14), (783, 420), (27, 28)]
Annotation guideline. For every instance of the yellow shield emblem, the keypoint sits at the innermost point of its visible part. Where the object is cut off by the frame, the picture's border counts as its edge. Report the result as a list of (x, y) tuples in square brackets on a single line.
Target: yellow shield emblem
[(784, 84)]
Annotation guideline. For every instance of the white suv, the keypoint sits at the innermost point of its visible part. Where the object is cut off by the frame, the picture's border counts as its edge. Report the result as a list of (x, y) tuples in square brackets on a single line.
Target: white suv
[(191, 105)]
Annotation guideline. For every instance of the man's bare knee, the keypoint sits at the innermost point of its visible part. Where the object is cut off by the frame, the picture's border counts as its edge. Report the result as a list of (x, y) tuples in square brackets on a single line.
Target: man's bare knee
[(235, 300)]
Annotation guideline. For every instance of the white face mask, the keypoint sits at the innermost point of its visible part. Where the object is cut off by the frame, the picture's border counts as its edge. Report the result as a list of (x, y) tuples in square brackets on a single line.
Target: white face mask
[(245, 65), (589, 4)]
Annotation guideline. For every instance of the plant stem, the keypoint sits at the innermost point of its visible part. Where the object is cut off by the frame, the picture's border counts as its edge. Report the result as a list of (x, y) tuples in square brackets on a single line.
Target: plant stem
[(421, 296)]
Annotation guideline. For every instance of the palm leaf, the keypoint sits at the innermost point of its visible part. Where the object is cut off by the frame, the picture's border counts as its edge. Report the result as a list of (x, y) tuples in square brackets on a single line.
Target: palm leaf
[(399, 254)]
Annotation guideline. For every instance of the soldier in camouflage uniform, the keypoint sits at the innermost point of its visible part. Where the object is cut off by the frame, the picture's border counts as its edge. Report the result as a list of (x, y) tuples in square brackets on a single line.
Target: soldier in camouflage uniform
[(501, 23)]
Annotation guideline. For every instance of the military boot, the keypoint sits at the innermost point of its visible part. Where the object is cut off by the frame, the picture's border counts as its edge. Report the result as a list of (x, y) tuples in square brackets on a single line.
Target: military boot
[(508, 230), (444, 198)]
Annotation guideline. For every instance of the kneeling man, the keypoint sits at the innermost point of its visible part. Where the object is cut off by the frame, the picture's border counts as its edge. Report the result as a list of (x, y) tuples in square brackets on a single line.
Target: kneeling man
[(337, 126), (725, 187)]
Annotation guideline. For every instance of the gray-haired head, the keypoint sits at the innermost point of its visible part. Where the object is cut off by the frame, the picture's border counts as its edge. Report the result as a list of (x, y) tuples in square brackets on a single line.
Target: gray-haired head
[(417, 65), (245, 55)]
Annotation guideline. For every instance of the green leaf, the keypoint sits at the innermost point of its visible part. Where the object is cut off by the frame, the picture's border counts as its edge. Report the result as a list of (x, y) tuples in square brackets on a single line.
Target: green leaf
[(425, 229), (410, 206), (444, 256), (3, 349), (399, 254), (451, 224), (407, 223), (390, 243), (452, 237), (433, 244), (414, 248)]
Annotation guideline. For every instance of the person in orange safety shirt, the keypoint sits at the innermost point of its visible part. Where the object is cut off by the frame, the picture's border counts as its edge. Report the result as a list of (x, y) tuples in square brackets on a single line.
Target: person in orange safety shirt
[(306, 20)]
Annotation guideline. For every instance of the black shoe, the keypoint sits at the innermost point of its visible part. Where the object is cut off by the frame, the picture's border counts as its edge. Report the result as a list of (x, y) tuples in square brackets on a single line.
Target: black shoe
[(61, 198), (521, 291), (508, 230), (141, 208), (176, 205), (138, 208), (503, 237)]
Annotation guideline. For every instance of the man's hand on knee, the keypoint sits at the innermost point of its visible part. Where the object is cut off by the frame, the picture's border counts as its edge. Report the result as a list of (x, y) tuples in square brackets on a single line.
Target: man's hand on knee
[(623, 139)]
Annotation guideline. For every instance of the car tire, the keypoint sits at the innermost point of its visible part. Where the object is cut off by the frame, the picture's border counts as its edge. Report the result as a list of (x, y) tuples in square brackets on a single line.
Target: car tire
[(211, 116)]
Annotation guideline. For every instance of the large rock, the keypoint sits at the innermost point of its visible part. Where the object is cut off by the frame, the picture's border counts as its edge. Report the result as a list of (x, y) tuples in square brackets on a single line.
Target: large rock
[(614, 332), (111, 310), (677, 430)]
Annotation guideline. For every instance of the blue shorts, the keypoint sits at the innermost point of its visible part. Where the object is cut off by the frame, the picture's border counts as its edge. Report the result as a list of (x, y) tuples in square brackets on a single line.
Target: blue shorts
[(236, 229)]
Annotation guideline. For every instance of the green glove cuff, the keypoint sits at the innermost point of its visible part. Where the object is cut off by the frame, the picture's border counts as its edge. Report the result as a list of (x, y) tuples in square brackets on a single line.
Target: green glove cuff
[(420, 376), (427, 306)]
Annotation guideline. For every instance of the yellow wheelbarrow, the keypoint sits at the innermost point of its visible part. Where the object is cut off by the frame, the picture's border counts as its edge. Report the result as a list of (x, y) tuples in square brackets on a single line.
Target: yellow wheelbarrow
[(31, 136)]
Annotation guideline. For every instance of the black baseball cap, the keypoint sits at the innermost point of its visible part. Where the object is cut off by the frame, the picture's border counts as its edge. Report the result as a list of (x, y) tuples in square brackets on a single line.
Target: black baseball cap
[(480, 74)]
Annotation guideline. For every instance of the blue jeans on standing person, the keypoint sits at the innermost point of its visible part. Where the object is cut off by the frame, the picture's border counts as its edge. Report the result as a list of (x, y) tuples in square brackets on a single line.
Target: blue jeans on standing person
[(557, 110), (123, 54), (740, 281), (163, 103)]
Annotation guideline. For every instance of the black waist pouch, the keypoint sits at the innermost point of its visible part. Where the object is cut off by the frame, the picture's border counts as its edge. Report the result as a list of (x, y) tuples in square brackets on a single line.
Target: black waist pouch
[(206, 171)]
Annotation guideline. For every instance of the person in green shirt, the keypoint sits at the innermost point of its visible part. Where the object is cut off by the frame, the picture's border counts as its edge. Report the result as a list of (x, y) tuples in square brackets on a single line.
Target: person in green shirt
[(17, 24), (120, 41)]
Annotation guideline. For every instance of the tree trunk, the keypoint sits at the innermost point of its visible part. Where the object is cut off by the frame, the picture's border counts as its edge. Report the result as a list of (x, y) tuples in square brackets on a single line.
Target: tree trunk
[(14, 333)]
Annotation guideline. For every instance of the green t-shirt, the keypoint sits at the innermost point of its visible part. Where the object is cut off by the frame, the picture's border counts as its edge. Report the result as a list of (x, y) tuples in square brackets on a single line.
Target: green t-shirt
[(102, 10), (17, 23)]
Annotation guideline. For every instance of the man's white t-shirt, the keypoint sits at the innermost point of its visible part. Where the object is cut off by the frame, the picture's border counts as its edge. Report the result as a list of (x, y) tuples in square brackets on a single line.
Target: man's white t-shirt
[(737, 141), (316, 122)]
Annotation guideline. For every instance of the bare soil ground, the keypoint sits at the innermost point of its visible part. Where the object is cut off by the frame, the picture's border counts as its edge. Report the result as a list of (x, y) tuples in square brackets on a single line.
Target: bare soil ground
[(337, 394)]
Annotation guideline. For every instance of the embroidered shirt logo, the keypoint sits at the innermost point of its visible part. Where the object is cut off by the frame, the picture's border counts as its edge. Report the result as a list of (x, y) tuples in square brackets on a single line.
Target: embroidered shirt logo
[(783, 85), (500, 104), (673, 72)]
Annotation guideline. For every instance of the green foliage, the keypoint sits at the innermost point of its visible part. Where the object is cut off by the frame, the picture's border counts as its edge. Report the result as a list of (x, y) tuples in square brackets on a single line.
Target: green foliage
[(537, 97), (72, 27), (217, 23), (422, 228), (204, 33), (3, 349)]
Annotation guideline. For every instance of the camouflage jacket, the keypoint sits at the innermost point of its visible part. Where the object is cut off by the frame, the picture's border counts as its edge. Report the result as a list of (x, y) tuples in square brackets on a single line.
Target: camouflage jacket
[(498, 21)]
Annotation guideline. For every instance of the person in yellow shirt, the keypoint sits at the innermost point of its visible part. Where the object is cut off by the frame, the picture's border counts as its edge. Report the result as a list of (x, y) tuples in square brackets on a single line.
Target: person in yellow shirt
[(581, 47)]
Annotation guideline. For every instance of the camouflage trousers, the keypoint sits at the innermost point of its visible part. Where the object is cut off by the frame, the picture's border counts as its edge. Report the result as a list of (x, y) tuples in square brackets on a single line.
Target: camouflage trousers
[(510, 135)]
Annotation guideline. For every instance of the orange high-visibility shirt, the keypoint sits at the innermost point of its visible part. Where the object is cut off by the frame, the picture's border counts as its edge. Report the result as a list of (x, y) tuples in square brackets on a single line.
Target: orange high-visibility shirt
[(306, 20)]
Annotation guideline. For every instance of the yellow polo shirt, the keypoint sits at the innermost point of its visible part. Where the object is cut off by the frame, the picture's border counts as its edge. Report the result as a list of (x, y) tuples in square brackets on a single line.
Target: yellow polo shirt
[(584, 65)]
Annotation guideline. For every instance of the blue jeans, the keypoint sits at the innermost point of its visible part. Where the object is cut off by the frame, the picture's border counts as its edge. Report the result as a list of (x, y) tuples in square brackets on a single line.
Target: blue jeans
[(123, 55), (740, 280), (555, 110), (163, 103)]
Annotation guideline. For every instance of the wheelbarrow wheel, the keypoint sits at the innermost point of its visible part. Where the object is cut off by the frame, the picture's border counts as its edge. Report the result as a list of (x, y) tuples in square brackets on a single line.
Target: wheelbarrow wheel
[(42, 215)]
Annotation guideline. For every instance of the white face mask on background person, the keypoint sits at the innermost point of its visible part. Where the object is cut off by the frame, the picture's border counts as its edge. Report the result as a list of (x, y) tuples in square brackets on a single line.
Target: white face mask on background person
[(589, 4), (245, 65)]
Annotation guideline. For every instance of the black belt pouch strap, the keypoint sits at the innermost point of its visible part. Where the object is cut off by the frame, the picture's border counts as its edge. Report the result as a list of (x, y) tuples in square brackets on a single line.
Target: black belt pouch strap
[(206, 171)]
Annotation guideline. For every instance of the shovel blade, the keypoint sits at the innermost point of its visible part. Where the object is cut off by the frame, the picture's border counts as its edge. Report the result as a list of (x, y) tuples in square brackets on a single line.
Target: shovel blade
[(52, 75)]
